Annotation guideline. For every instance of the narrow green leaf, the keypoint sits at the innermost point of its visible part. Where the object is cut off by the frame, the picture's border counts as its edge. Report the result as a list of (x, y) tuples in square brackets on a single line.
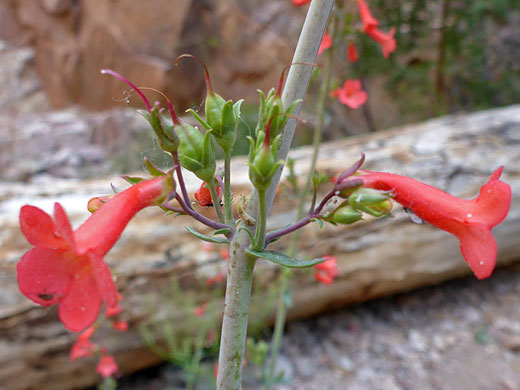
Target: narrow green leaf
[(203, 237), (286, 261), (221, 231)]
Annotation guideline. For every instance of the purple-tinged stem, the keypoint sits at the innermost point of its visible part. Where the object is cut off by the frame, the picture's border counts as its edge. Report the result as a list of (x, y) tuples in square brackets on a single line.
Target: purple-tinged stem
[(350, 171), (199, 217), (289, 229), (180, 179), (124, 80)]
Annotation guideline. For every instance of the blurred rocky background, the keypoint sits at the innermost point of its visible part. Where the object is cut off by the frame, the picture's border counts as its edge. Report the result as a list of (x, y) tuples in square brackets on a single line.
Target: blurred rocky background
[(451, 57)]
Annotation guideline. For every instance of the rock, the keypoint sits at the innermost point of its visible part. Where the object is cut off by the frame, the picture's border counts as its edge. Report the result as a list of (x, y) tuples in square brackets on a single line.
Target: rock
[(73, 40)]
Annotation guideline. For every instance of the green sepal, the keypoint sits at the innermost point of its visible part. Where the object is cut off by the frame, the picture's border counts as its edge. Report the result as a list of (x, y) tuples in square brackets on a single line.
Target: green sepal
[(132, 180), (152, 169), (199, 119), (203, 237), (213, 110), (225, 135), (207, 173), (320, 222), (282, 259)]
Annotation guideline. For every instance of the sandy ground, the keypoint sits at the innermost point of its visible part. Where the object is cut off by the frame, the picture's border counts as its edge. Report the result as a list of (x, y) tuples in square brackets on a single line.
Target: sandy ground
[(461, 335)]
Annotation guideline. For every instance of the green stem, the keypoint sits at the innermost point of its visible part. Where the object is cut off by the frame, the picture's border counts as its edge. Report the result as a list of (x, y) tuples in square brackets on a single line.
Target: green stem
[(216, 200), (285, 278), (241, 265), (261, 222), (227, 187)]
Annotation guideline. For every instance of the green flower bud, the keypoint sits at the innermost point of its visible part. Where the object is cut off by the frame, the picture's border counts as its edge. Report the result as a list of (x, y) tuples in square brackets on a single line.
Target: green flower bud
[(196, 151), (373, 202), (262, 161), (346, 215)]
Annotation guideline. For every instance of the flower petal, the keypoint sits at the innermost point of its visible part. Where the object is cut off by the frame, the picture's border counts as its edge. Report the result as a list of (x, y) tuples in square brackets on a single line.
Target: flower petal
[(38, 227), (104, 282), (63, 225), (80, 308), (43, 276), (479, 248)]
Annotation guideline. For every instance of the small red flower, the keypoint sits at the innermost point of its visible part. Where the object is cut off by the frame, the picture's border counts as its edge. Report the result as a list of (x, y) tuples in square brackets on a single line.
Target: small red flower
[(299, 3), (200, 310), (67, 267), (369, 22), (470, 221), (203, 195), (387, 41), (83, 347), (326, 272), (107, 366), (326, 43), (351, 94), (352, 54), (121, 326)]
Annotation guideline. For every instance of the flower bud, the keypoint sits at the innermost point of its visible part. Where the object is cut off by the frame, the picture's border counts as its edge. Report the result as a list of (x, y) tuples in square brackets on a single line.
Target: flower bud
[(373, 202), (196, 151), (262, 161), (345, 215)]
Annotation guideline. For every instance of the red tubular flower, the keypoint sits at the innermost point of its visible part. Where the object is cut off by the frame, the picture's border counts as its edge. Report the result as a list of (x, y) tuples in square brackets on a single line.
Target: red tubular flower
[(352, 54), (326, 272), (326, 43), (369, 22), (470, 221), (387, 41), (351, 94), (107, 366), (203, 195), (299, 3), (67, 267)]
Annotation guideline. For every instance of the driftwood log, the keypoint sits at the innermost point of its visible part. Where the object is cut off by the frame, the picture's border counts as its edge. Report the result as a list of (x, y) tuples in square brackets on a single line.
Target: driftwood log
[(376, 257)]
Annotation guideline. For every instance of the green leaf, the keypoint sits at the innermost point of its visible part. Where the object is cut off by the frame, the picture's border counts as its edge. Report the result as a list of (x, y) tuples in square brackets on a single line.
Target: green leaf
[(221, 231), (286, 261), (203, 237)]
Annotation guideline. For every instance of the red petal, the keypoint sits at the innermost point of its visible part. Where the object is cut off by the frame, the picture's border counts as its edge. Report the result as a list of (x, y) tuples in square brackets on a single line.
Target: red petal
[(104, 282), (63, 225), (38, 227), (80, 308), (43, 276), (479, 248), (494, 200)]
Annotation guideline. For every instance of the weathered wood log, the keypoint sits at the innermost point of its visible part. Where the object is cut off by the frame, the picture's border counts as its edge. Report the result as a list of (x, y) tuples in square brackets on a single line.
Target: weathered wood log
[(376, 257)]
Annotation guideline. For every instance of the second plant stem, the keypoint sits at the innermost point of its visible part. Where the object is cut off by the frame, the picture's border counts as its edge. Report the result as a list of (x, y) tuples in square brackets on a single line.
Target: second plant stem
[(216, 200)]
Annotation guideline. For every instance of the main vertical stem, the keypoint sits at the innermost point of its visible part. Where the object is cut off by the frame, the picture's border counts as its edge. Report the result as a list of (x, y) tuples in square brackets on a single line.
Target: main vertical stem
[(241, 265), (285, 285)]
